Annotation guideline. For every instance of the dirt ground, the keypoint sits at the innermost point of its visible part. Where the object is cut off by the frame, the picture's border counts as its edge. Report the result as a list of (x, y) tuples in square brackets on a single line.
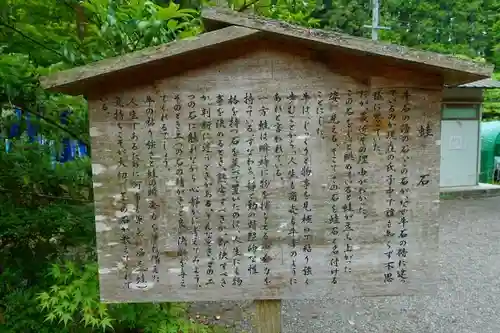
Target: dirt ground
[(468, 298)]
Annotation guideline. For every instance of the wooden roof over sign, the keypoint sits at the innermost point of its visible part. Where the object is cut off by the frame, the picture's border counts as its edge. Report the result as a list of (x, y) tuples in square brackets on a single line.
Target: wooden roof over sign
[(455, 70), (226, 26), (76, 80)]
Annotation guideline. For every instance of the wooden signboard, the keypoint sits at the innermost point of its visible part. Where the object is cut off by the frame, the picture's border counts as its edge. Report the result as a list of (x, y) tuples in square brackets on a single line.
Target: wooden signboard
[(276, 172), (264, 184)]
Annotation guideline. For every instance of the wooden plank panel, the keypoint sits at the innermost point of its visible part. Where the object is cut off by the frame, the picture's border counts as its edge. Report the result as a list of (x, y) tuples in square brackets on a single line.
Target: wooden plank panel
[(223, 170)]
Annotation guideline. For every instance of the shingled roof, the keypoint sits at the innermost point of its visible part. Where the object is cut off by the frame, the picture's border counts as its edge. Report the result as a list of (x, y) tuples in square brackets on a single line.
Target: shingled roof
[(226, 26)]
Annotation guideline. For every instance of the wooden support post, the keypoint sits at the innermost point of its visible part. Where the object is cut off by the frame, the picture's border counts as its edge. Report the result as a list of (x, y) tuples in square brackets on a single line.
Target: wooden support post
[(268, 316)]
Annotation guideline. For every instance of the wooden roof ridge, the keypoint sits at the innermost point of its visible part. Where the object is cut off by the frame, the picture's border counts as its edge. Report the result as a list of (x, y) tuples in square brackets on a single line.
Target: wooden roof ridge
[(216, 17), (62, 80)]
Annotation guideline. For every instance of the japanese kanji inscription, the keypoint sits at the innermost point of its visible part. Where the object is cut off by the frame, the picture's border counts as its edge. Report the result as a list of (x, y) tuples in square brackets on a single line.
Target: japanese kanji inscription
[(265, 185)]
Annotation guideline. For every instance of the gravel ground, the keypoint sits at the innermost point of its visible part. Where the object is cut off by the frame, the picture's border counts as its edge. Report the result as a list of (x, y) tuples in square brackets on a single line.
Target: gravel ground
[(468, 299)]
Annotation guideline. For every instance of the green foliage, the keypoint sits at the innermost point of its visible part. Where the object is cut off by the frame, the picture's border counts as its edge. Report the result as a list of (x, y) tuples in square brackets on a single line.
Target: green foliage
[(491, 105), (125, 26), (45, 213), (465, 29), (72, 300), (112, 28), (38, 178), (20, 87), (346, 16), (291, 11), (36, 224), (73, 303), (108, 28), (16, 71), (460, 27), (19, 308), (38, 228), (26, 22)]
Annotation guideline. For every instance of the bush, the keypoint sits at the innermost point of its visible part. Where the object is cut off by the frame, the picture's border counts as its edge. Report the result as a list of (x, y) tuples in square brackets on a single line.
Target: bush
[(47, 250), (73, 302), (46, 210)]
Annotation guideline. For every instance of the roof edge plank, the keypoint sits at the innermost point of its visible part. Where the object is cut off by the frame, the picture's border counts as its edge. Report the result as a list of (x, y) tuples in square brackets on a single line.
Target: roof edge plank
[(214, 16), (481, 84), (78, 75)]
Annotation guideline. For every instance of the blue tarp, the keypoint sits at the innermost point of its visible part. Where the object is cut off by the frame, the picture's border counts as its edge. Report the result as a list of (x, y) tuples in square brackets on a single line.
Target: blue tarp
[(71, 148)]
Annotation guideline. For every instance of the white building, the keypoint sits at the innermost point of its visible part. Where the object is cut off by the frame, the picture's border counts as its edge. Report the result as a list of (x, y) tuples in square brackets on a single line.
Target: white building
[(460, 133)]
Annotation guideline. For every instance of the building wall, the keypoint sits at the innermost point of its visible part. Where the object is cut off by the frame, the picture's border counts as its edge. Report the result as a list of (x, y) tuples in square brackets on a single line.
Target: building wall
[(460, 162), (453, 95), (343, 172), (459, 153)]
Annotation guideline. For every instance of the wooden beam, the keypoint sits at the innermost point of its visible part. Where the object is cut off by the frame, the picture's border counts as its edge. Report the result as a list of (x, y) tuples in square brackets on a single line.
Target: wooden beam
[(268, 316)]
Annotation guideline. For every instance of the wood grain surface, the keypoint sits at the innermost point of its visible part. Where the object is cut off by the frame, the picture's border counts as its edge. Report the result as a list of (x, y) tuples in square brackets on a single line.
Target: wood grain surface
[(183, 130)]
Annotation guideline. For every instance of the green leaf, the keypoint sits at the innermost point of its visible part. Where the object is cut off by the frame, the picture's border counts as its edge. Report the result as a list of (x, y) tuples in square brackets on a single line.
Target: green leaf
[(50, 317), (55, 271), (43, 296), (143, 25), (104, 29), (172, 24), (59, 310), (69, 265), (44, 304), (111, 19), (65, 318), (73, 306), (171, 12), (62, 293), (105, 324), (172, 329), (77, 296), (102, 310)]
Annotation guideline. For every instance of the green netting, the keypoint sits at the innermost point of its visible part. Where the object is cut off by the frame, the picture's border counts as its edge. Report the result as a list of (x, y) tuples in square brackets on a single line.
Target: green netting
[(490, 147)]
